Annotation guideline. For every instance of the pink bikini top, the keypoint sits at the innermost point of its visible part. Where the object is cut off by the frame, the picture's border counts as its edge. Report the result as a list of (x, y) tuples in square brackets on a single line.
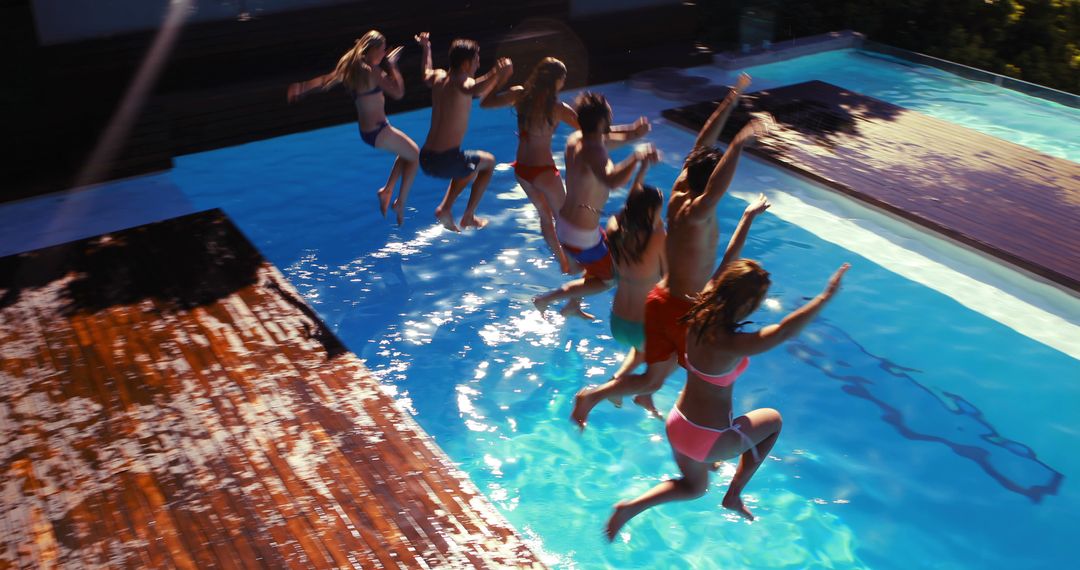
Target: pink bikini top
[(723, 380)]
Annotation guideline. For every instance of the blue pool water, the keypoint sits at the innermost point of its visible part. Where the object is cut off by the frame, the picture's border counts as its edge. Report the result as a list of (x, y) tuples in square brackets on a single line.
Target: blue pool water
[(918, 433)]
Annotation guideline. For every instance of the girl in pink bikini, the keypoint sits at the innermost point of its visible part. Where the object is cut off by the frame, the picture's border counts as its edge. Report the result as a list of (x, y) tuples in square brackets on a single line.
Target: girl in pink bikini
[(368, 83), (539, 111), (700, 427)]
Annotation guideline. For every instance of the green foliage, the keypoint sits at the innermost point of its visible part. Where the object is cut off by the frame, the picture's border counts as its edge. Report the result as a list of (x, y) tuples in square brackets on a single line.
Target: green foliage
[(1033, 40)]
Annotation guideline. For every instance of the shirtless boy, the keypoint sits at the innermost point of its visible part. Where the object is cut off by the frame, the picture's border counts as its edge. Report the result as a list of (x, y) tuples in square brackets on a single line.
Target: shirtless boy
[(590, 176), (452, 92)]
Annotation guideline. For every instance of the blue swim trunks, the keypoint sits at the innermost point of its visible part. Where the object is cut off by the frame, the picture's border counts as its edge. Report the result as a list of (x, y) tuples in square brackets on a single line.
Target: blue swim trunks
[(452, 163)]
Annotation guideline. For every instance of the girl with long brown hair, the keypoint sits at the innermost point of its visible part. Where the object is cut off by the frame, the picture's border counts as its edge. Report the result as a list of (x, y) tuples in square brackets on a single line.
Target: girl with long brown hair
[(700, 427), (539, 112), (368, 73)]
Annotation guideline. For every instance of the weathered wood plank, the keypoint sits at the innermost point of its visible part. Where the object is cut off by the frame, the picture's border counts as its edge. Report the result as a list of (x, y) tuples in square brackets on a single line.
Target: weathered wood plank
[(1001, 198)]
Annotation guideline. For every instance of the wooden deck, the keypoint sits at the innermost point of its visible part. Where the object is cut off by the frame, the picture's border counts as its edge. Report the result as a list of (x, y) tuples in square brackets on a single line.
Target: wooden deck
[(1007, 200), (168, 400)]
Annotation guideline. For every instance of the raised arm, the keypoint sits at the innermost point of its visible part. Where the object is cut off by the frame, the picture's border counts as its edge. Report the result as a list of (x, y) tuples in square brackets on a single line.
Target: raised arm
[(711, 131), (639, 180), (771, 336), (430, 73), (622, 134), (502, 71), (391, 82), (721, 177), (738, 239)]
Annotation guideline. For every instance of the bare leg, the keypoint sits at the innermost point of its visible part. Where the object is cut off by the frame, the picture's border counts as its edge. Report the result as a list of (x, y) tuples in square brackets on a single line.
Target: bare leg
[(544, 193), (648, 382), (484, 172), (444, 212), (633, 358), (693, 484), (759, 432), (407, 178), (406, 165), (387, 190), (573, 290)]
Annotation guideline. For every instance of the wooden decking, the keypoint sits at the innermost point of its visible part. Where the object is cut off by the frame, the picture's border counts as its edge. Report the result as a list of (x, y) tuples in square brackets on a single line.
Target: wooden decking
[(1004, 199), (168, 400)]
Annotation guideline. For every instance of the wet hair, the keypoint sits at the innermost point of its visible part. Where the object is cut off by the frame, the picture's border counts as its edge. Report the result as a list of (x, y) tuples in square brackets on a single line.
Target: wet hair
[(348, 66), (592, 109), (635, 224), (539, 98), (699, 166), (742, 281), (462, 51)]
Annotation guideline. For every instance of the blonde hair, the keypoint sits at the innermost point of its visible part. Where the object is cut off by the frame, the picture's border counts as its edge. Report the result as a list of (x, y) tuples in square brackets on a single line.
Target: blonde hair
[(348, 67), (742, 281)]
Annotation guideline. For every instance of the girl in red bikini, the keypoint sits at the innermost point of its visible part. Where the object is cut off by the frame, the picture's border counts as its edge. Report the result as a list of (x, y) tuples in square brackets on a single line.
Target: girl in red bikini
[(539, 112), (700, 427), (367, 82)]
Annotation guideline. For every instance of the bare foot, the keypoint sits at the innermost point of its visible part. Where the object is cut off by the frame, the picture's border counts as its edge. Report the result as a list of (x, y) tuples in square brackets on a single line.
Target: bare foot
[(473, 222), (399, 209), (384, 194), (446, 219), (573, 309), (617, 520), (735, 503), (541, 305), (584, 402), (645, 401)]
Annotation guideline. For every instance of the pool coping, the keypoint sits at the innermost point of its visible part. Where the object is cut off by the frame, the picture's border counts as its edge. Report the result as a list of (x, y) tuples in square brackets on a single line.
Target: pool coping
[(849, 39)]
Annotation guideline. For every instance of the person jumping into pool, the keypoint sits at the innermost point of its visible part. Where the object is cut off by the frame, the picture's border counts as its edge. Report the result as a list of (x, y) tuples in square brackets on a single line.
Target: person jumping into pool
[(369, 73), (700, 427), (693, 236), (590, 176), (636, 239), (539, 111), (452, 92)]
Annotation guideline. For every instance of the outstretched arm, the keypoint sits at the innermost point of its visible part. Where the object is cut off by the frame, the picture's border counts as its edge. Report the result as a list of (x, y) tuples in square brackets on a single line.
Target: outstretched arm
[(297, 91), (639, 180), (614, 176), (738, 239), (505, 98), (622, 134), (711, 131), (718, 183), (772, 335), (568, 115)]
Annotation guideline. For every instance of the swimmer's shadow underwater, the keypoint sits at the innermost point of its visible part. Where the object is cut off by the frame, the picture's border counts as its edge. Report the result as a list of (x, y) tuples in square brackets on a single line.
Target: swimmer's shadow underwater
[(957, 423)]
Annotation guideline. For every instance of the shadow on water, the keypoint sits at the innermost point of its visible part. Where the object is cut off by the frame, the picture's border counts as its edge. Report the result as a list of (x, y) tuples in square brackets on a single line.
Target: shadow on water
[(819, 110), (948, 418)]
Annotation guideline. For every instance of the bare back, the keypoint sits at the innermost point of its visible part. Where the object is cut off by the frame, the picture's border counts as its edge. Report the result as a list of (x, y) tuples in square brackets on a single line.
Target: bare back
[(691, 244), (586, 194), (637, 279), (534, 140), (450, 108)]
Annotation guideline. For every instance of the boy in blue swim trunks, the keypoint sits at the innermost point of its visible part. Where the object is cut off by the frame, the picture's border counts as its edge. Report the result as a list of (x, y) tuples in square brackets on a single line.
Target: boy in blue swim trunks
[(452, 92)]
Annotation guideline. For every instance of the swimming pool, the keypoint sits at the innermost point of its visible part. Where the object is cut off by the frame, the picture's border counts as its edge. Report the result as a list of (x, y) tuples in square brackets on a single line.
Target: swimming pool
[(918, 432)]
